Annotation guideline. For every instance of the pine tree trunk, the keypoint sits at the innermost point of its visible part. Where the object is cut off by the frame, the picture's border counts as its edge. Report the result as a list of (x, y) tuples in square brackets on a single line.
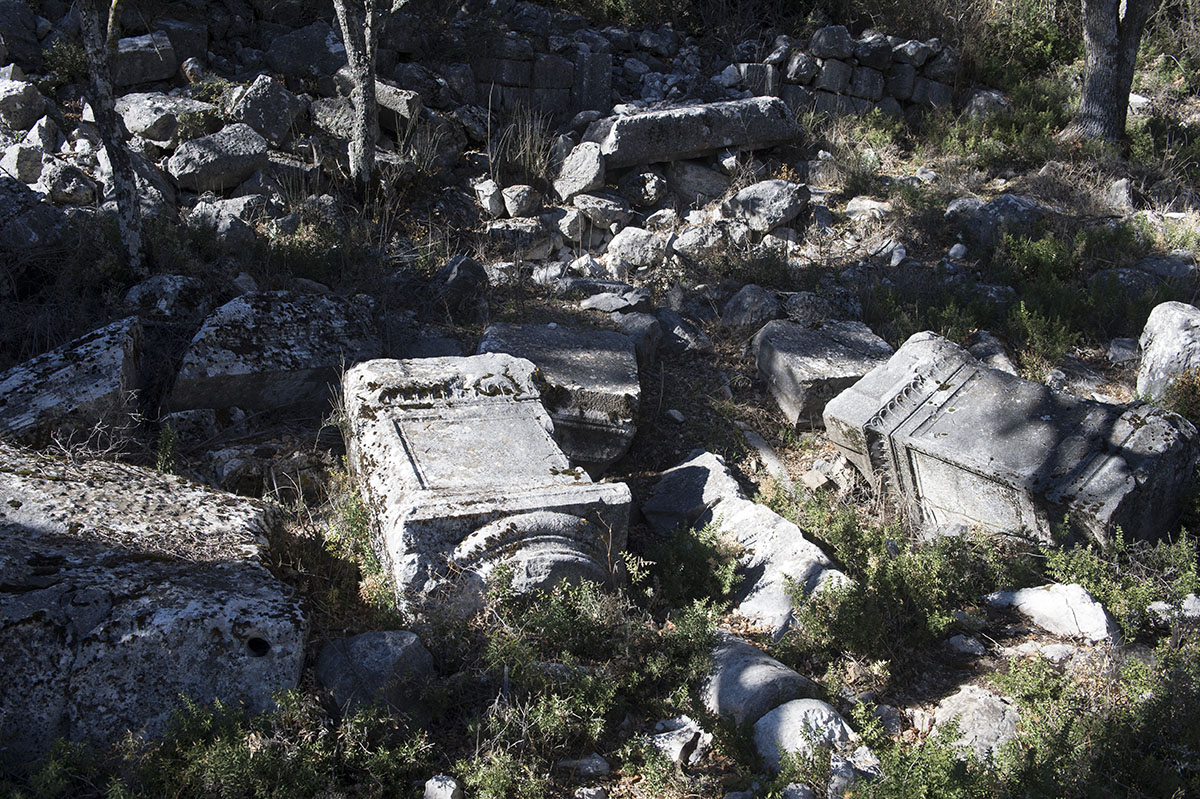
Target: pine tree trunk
[(129, 216), (360, 35), (1110, 43)]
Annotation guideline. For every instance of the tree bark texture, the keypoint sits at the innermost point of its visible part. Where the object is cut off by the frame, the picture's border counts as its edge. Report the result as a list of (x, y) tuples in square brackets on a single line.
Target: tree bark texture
[(1110, 43), (360, 21), (99, 47)]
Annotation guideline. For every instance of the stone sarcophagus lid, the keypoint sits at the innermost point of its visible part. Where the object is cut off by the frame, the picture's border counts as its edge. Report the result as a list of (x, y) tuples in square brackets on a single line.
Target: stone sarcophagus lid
[(957, 442), (457, 466)]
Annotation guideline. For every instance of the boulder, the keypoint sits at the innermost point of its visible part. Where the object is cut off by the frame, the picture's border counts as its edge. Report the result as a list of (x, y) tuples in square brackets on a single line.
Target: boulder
[(490, 197), (752, 307), (695, 184), (1067, 610), (311, 51), (164, 118), (692, 131), (985, 721), (21, 104), (806, 365), (275, 349), (124, 589), (521, 200), (26, 223), (681, 335), (23, 162), (91, 381), (602, 210), (798, 727), (525, 238), (1170, 344), (459, 473), (643, 188), (766, 205), (219, 161), (959, 443), (387, 666), (269, 108), (142, 59), (19, 33), (589, 386), (832, 41), (984, 224), (745, 683), (581, 171), (67, 184), (460, 288), (638, 248)]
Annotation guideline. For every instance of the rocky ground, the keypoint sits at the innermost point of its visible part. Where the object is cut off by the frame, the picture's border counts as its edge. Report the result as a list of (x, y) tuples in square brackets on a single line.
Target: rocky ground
[(599, 450)]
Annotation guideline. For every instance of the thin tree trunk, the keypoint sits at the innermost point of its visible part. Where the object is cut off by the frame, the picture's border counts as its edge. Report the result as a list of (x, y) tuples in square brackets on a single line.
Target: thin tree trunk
[(1110, 43), (129, 217), (360, 35)]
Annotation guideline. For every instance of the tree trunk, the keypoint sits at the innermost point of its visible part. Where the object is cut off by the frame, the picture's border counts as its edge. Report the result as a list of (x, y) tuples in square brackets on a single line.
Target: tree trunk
[(360, 35), (112, 134), (1110, 43)]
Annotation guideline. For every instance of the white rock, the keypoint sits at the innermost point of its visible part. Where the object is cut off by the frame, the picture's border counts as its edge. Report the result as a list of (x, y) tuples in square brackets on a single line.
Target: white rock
[(797, 727), (1060, 609)]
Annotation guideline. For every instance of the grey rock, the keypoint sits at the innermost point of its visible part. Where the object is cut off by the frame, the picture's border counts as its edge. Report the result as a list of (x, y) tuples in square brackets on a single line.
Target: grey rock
[(590, 388), (912, 52), (932, 93), (166, 119), (269, 108), (23, 162), (834, 76), (805, 307), (805, 366), (867, 83), (1178, 266), (901, 80), (44, 135), (189, 38), (126, 588), (442, 787), (768, 204), (67, 184), (646, 332), (21, 104), (801, 68), (1067, 610), (460, 289), (699, 243), (166, 296), (587, 768), (142, 59), (387, 666), (582, 171), (989, 449), (638, 248), (603, 211), (456, 459), (92, 380), (832, 41), (873, 50), (752, 307), (220, 161), (680, 335), (745, 682), (986, 103), (311, 51), (985, 224), (944, 66), (490, 197), (26, 223), (521, 200), (271, 350), (990, 351), (18, 33), (642, 188), (692, 131), (985, 721), (681, 739), (686, 492), (695, 184), (1120, 196), (797, 727), (399, 108), (1170, 344), (524, 238)]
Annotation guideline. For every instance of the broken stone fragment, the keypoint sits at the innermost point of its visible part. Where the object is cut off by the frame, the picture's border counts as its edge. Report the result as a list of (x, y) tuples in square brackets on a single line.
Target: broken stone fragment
[(589, 384), (1060, 609), (275, 349), (582, 171), (985, 720), (1170, 345), (91, 382), (125, 589), (459, 474), (938, 432), (220, 161), (766, 205), (269, 108), (806, 365), (746, 683), (164, 118), (798, 727), (141, 59)]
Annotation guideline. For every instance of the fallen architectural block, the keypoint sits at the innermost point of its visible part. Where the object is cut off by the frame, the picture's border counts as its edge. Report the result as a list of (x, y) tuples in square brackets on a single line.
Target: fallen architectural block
[(959, 443), (124, 589), (806, 365), (90, 381), (459, 472), (274, 349), (692, 131), (590, 386), (745, 682), (1170, 345)]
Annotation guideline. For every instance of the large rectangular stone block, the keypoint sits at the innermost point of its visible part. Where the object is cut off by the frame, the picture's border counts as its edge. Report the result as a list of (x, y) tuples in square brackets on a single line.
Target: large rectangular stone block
[(592, 86), (590, 386), (552, 72), (459, 472), (957, 442), (692, 131)]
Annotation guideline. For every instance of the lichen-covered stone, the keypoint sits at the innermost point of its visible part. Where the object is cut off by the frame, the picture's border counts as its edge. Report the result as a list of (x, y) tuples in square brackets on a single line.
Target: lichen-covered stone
[(124, 589)]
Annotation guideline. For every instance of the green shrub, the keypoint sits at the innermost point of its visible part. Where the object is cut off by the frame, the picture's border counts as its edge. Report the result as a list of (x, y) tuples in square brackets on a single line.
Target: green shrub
[(694, 564), (1042, 340)]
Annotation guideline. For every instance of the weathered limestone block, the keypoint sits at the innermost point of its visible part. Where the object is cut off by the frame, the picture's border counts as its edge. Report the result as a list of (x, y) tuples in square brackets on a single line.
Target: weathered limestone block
[(1062, 610), (686, 492), (141, 59), (582, 170), (125, 588), (459, 473), (590, 387), (761, 79), (269, 108), (21, 104), (592, 85), (767, 204), (692, 131), (220, 161), (1170, 345), (986, 722), (274, 349), (834, 76), (957, 442), (798, 727), (157, 117), (91, 380), (745, 682), (806, 365)]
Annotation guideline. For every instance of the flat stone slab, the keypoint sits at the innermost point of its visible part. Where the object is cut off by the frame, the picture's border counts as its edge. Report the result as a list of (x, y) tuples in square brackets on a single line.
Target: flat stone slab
[(692, 131), (806, 365), (274, 349), (91, 380), (960, 443), (124, 588), (456, 464), (589, 385)]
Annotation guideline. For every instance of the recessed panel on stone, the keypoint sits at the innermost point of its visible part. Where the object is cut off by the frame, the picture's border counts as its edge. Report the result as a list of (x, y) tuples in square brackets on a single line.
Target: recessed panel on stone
[(457, 465), (960, 443), (590, 385)]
